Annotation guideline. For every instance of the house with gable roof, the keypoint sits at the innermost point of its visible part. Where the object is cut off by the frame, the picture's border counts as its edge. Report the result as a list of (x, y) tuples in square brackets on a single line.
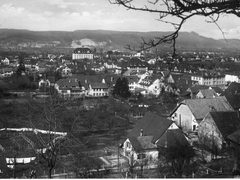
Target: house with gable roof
[(44, 83), (89, 86), (98, 90), (137, 65), (206, 93), (193, 90), (69, 88), (150, 133), (6, 72), (215, 128), (190, 112), (5, 61), (152, 84)]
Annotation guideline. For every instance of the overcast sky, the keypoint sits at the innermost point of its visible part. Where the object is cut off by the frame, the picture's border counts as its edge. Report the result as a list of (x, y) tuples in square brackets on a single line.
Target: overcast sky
[(70, 15)]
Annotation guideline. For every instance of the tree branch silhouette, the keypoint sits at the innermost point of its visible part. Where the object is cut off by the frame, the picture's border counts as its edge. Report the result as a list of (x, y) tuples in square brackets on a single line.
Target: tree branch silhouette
[(182, 10)]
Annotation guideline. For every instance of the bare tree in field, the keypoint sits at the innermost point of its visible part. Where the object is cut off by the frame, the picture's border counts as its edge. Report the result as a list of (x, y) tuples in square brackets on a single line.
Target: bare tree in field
[(48, 138), (181, 10)]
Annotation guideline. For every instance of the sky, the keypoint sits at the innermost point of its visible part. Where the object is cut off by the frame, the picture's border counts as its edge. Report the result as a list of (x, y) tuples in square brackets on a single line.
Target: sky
[(70, 15)]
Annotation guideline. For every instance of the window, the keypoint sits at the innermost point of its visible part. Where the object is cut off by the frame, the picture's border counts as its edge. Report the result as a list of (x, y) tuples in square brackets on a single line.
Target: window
[(141, 156), (194, 127)]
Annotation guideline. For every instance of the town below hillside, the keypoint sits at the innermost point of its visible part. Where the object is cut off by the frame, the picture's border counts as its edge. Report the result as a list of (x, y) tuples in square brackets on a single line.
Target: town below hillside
[(65, 41), (94, 110)]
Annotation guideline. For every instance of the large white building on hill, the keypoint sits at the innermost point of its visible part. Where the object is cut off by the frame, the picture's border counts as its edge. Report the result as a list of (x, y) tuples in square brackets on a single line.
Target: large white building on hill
[(82, 53)]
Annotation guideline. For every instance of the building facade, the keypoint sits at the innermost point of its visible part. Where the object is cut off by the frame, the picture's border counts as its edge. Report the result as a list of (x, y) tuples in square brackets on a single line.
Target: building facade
[(82, 53), (209, 78)]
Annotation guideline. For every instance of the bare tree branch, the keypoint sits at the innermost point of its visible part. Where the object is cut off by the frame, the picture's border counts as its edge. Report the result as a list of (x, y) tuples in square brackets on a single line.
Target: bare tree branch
[(182, 10)]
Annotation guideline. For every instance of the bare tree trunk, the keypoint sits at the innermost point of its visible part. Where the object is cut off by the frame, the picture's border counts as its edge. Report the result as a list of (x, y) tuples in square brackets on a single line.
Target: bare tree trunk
[(50, 173)]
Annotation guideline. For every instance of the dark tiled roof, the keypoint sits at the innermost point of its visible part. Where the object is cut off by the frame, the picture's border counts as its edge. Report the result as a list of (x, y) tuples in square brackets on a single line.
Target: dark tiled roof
[(176, 77), (82, 51), (89, 79), (226, 122), (132, 79), (234, 100), (148, 80), (235, 137), (207, 93), (201, 107), (136, 62), (171, 138), (99, 85), (206, 74), (196, 88), (217, 89), (142, 143), (233, 88), (152, 125), (67, 83)]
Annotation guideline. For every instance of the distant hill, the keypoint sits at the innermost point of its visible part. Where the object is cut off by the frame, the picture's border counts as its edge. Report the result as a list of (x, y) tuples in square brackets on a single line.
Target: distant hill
[(108, 40)]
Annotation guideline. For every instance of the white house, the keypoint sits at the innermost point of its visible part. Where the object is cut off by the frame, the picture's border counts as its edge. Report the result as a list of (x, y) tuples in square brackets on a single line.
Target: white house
[(82, 53), (230, 77), (5, 61), (44, 83), (147, 136), (69, 88), (190, 112), (98, 90), (209, 78)]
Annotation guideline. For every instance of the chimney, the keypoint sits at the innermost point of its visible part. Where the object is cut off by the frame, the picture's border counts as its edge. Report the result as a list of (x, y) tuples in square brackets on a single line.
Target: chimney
[(141, 132)]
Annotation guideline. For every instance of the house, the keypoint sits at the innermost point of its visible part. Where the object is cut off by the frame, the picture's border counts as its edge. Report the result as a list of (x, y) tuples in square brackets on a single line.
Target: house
[(86, 80), (65, 71), (184, 83), (193, 90), (69, 88), (209, 78), (232, 77), (110, 79), (5, 61), (136, 64), (206, 93), (6, 72), (144, 138), (233, 88), (98, 68), (98, 90), (217, 90), (214, 129), (44, 83), (190, 112), (82, 53), (138, 111), (152, 84), (132, 82)]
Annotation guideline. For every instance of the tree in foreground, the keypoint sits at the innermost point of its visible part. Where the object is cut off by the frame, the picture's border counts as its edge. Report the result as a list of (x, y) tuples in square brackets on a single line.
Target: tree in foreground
[(181, 10), (179, 158)]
